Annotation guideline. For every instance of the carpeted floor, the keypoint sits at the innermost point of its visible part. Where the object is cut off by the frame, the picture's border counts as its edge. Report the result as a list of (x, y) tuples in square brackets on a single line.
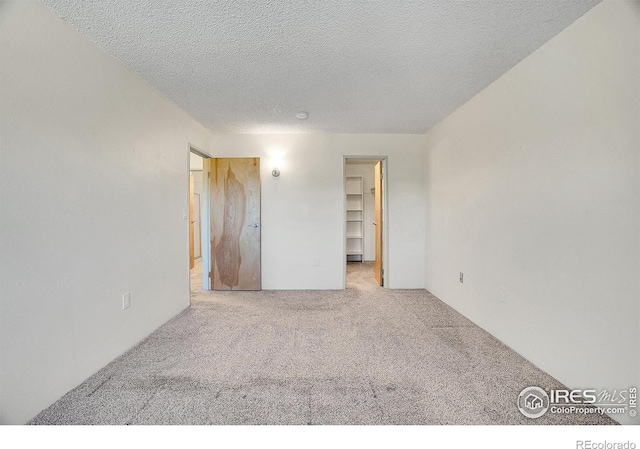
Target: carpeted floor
[(365, 355)]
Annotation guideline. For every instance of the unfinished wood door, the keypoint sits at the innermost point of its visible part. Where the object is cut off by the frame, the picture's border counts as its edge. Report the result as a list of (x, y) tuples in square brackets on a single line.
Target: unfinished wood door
[(191, 223), (235, 224), (379, 225)]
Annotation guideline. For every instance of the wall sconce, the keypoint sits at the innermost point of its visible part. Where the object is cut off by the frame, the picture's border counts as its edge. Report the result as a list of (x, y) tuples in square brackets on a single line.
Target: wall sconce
[(275, 172)]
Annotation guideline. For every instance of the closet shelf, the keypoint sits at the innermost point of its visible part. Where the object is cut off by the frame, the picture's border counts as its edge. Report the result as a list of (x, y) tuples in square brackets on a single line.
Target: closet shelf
[(354, 218)]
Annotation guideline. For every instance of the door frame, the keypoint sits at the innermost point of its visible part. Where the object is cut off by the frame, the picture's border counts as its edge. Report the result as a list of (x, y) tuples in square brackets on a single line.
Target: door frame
[(204, 215), (385, 216)]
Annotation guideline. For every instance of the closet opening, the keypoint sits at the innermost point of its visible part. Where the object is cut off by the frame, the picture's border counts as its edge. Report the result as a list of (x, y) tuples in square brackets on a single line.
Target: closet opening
[(365, 228)]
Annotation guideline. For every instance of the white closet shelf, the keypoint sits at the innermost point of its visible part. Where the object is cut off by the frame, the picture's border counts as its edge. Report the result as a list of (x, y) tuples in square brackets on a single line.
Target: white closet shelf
[(354, 218)]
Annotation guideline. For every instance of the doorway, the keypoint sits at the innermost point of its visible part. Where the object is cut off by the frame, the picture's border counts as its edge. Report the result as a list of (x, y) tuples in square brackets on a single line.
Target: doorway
[(195, 216), (224, 223), (195, 207), (365, 218)]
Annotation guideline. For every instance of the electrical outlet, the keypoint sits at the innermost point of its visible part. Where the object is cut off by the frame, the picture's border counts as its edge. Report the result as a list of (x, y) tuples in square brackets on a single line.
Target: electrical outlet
[(461, 277), (126, 300), (503, 294)]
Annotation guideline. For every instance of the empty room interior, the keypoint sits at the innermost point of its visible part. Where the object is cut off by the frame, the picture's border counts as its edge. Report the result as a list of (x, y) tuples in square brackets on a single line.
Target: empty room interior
[(318, 213)]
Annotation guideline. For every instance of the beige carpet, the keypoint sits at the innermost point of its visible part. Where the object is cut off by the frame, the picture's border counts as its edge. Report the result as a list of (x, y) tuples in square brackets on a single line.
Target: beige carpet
[(365, 355)]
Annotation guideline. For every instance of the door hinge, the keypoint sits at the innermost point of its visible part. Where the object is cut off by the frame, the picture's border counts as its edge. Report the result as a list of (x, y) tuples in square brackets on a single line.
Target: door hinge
[(209, 175), (382, 271), (381, 175)]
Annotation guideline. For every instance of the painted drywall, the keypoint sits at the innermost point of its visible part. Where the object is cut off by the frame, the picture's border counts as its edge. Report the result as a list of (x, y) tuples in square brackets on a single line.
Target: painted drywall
[(195, 162), (99, 214), (533, 186), (367, 171), (303, 208)]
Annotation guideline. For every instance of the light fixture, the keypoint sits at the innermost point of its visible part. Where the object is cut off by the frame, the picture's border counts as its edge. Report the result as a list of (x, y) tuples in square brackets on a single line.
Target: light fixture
[(276, 159), (302, 115)]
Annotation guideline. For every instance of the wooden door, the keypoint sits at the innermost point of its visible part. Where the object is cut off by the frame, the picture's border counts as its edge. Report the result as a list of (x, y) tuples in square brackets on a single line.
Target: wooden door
[(191, 222), (379, 225), (235, 224)]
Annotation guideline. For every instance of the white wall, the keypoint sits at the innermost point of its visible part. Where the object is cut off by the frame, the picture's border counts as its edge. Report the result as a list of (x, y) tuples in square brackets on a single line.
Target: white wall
[(100, 213), (195, 162), (302, 210), (534, 185)]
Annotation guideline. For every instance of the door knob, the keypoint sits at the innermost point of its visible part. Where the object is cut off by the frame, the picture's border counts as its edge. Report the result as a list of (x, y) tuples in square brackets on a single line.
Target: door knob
[(255, 225)]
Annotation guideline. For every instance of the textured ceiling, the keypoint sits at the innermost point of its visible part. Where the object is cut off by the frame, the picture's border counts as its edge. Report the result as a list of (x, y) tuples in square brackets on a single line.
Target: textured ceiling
[(357, 66)]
